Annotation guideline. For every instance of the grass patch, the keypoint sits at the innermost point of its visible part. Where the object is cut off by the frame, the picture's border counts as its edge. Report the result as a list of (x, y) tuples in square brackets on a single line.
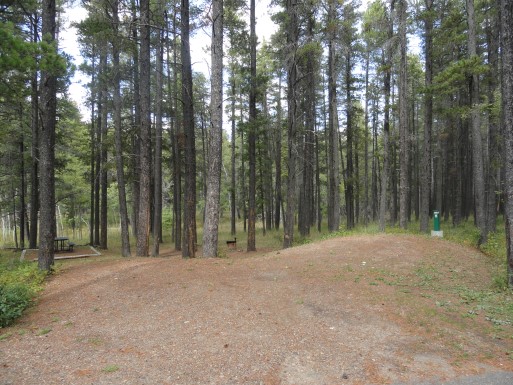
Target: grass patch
[(5, 336), (44, 331), (428, 276), (95, 341), (110, 369)]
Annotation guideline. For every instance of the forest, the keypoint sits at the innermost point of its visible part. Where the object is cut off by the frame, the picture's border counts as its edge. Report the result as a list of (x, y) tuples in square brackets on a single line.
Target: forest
[(350, 114)]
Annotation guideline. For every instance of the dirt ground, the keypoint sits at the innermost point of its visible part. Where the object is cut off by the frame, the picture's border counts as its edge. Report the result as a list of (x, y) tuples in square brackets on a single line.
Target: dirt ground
[(355, 310)]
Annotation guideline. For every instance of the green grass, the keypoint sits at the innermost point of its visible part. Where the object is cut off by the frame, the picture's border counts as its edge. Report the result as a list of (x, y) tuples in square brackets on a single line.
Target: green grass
[(44, 331), (5, 336), (110, 369)]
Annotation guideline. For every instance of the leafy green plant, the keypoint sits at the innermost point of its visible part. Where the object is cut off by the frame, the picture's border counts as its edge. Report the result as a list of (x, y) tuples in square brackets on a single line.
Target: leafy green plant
[(14, 298), (19, 283)]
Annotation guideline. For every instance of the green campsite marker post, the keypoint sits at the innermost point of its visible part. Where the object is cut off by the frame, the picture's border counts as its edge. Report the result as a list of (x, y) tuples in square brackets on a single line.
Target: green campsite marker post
[(436, 221), (436, 225)]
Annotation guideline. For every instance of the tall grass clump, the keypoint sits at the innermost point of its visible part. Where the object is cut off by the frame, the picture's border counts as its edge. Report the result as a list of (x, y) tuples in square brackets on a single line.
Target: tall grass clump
[(495, 248), (19, 284)]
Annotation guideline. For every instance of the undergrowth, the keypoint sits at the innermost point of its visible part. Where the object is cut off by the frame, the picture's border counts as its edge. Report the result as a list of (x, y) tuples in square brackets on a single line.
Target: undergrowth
[(19, 284)]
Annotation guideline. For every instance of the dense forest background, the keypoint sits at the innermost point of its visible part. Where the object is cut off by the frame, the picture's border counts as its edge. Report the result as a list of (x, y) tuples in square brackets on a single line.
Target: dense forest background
[(348, 115)]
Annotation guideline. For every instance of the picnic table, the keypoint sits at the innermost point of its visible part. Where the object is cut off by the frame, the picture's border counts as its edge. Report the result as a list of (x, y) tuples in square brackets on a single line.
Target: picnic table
[(63, 244)]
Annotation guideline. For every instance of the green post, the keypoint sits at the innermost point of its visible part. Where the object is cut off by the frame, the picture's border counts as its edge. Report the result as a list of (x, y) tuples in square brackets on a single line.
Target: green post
[(436, 221)]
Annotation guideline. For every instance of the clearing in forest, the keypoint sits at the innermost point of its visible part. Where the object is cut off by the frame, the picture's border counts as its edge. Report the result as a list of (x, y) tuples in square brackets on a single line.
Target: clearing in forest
[(382, 309)]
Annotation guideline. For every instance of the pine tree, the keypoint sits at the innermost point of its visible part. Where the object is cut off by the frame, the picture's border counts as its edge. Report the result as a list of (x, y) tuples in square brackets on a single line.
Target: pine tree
[(48, 110), (212, 204), (507, 104)]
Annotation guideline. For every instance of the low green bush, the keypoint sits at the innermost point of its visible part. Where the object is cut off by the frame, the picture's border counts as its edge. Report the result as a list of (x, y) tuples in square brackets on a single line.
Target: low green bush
[(13, 300), (19, 283)]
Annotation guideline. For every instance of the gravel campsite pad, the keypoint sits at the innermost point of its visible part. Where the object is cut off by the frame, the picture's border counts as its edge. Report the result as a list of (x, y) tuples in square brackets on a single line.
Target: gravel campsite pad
[(353, 310)]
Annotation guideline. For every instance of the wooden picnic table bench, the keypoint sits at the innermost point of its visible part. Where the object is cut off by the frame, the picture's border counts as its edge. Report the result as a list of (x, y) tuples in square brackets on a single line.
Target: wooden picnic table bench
[(63, 244)]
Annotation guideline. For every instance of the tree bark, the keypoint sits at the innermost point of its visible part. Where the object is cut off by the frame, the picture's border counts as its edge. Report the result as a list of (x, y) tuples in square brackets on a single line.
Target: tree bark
[(351, 177), (306, 210), (318, 183), (267, 177), (386, 122), (92, 155), (189, 236), (277, 177), (136, 121), (333, 141), (97, 170), (404, 153), (477, 141), (425, 177), (157, 163), (366, 208), (34, 125), (215, 143), (48, 113), (375, 162), (233, 196), (143, 215), (23, 207), (103, 148), (507, 104), (494, 158), (123, 210), (176, 143), (292, 77), (251, 246)]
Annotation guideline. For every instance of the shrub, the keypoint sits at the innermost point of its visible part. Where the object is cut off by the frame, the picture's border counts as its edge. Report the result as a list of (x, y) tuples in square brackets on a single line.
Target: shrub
[(19, 283), (14, 299)]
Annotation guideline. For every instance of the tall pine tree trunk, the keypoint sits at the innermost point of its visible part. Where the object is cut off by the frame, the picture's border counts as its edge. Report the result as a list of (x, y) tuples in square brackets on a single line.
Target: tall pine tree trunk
[(306, 208), (48, 110), (386, 122), (176, 143), (212, 204), (143, 216), (34, 153), (92, 155), (157, 163), (23, 207), (351, 177), (374, 172), (233, 196), (333, 140), (267, 180), (493, 177), (189, 236), (97, 169), (366, 208), (103, 149), (507, 104), (292, 78), (118, 143), (136, 123), (404, 135), (277, 178), (318, 199), (252, 133), (477, 141), (425, 177)]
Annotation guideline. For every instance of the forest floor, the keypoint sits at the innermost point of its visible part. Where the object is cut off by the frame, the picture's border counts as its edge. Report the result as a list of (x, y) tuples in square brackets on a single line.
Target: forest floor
[(384, 309)]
